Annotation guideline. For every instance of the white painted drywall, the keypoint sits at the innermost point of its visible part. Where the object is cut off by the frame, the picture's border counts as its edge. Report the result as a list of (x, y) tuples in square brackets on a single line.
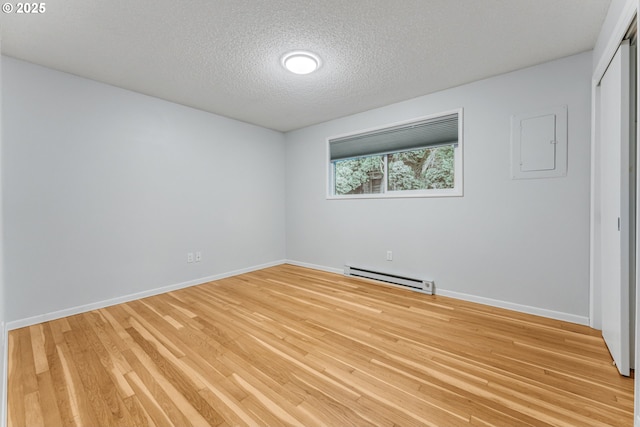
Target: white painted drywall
[(3, 384), (106, 191), (520, 241)]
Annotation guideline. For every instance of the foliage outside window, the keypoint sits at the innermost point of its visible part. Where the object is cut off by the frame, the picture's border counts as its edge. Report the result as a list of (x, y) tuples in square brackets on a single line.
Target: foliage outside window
[(359, 176), (431, 170)]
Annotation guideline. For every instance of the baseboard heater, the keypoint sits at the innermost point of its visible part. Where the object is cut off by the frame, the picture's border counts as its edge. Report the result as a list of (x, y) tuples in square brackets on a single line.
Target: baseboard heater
[(420, 285)]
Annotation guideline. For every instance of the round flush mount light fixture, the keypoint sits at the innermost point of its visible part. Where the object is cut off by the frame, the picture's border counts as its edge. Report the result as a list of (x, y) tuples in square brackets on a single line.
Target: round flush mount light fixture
[(301, 62)]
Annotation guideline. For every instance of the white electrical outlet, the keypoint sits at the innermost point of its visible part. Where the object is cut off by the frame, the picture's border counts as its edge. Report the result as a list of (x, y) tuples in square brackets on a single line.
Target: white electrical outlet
[(389, 256), (198, 256), (190, 257)]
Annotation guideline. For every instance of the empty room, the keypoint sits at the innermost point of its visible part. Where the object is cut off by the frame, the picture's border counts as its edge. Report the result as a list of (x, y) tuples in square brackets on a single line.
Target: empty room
[(329, 213)]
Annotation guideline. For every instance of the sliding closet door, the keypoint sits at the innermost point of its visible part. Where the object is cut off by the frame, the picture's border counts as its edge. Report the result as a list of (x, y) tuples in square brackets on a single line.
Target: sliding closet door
[(615, 221)]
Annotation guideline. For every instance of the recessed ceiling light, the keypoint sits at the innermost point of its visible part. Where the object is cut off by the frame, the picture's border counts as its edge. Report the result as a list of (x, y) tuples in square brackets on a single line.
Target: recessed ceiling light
[(300, 62)]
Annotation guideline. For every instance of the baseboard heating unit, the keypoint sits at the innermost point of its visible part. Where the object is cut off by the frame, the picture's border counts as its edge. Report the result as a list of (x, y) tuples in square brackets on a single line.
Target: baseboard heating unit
[(420, 285)]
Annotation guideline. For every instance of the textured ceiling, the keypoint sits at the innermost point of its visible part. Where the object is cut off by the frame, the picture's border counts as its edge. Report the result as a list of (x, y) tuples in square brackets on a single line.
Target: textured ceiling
[(224, 56)]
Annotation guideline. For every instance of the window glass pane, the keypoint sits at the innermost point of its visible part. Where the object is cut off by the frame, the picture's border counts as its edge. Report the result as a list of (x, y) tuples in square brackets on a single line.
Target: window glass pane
[(428, 168), (362, 175)]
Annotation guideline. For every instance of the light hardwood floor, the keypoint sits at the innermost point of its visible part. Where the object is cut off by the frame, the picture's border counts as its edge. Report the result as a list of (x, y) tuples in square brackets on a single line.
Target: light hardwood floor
[(292, 346)]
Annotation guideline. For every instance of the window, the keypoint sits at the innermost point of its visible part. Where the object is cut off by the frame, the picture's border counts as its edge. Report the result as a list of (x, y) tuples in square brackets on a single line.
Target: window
[(419, 158)]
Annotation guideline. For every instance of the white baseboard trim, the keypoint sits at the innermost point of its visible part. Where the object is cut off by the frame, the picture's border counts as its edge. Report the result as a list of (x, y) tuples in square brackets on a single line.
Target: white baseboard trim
[(15, 324), (557, 315), (315, 266), (34, 320)]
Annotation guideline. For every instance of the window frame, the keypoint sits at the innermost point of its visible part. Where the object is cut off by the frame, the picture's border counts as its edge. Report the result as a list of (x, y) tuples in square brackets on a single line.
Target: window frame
[(458, 177)]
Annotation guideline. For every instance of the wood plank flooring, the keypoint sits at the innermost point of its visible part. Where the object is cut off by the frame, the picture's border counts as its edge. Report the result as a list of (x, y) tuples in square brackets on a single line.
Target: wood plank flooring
[(292, 346)]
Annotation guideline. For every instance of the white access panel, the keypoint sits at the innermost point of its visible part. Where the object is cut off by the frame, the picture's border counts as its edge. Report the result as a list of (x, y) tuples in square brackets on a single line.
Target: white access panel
[(539, 144)]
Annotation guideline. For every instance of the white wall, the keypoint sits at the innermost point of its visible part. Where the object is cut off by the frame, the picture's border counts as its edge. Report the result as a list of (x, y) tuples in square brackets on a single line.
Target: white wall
[(523, 242), (3, 384), (106, 191)]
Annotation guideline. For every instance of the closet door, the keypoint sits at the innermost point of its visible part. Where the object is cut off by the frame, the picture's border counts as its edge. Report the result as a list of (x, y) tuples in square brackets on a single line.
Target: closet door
[(615, 221)]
